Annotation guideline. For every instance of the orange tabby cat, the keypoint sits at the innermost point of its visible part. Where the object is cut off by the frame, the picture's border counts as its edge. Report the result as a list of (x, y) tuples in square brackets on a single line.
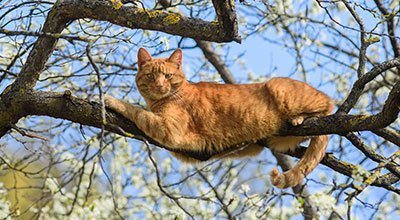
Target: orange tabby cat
[(207, 118)]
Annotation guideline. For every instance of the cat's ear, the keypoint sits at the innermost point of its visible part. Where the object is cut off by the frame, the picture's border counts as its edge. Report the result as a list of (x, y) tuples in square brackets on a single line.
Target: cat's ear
[(176, 57), (143, 57)]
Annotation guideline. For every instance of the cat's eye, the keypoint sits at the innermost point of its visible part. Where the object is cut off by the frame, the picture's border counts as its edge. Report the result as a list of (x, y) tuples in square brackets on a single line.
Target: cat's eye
[(150, 76), (168, 76)]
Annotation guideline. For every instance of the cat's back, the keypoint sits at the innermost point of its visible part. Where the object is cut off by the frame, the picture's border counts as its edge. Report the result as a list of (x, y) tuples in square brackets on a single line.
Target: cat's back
[(228, 113), (227, 105), (225, 92), (211, 95)]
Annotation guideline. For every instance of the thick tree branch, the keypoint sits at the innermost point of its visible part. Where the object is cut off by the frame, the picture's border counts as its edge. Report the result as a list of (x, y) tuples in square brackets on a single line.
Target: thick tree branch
[(41, 51), (158, 20), (359, 85), (227, 19), (66, 11), (65, 106), (389, 135), (342, 124), (347, 169), (359, 144)]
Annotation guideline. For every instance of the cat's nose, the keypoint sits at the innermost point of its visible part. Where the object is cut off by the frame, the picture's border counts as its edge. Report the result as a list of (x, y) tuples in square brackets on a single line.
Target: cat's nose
[(159, 83), (160, 89)]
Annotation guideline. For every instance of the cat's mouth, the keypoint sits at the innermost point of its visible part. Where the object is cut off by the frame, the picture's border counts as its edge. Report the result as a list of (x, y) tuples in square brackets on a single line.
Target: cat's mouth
[(161, 92)]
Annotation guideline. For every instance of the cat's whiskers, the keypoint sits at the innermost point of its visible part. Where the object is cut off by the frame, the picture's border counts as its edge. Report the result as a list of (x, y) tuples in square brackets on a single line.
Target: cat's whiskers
[(177, 97)]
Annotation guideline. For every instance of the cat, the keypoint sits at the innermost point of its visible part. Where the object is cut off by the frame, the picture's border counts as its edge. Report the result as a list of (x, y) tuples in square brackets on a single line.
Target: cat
[(209, 118)]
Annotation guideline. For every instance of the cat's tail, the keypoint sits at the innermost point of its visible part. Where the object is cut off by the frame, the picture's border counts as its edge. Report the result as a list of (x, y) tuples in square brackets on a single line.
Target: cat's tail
[(313, 155)]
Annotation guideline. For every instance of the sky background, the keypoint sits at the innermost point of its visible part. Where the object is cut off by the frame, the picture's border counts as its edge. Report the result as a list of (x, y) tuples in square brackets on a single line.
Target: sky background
[(261, 58)]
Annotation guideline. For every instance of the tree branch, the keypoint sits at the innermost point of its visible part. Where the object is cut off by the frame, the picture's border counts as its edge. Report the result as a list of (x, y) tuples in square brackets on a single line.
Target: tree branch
[(363, 41), (66, 11), (389, 135), (19, 100), (216, 61), (137, 18), (227, 19), (41, 34), (359, 85), (342, 124), (359, 144), (390, 27), (65, 106), (347, 169)]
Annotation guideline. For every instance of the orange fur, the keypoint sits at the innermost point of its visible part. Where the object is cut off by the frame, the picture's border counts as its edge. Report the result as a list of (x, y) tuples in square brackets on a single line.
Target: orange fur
[(208, 118)]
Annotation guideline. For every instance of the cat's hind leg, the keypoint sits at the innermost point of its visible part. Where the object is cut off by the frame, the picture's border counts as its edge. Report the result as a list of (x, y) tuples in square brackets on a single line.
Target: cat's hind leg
[(297, 101)]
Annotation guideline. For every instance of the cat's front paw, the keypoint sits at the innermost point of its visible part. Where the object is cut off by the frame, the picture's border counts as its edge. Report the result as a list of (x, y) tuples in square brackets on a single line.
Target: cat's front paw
[(109, 101), (296, 121)]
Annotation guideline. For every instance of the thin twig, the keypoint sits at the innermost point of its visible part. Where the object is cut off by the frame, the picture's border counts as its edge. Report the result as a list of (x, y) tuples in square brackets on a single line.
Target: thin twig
[(362, 57), (43, 34), (224, 207), (103, 124), (173, 198), (27, 134)]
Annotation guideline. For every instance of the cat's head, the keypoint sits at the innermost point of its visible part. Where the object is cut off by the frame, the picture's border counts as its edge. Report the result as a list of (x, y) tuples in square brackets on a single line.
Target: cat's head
[(159, 78)]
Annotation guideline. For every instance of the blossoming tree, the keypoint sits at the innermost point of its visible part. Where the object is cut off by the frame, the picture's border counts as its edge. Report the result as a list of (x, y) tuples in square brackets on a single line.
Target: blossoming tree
[(63, 155)]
